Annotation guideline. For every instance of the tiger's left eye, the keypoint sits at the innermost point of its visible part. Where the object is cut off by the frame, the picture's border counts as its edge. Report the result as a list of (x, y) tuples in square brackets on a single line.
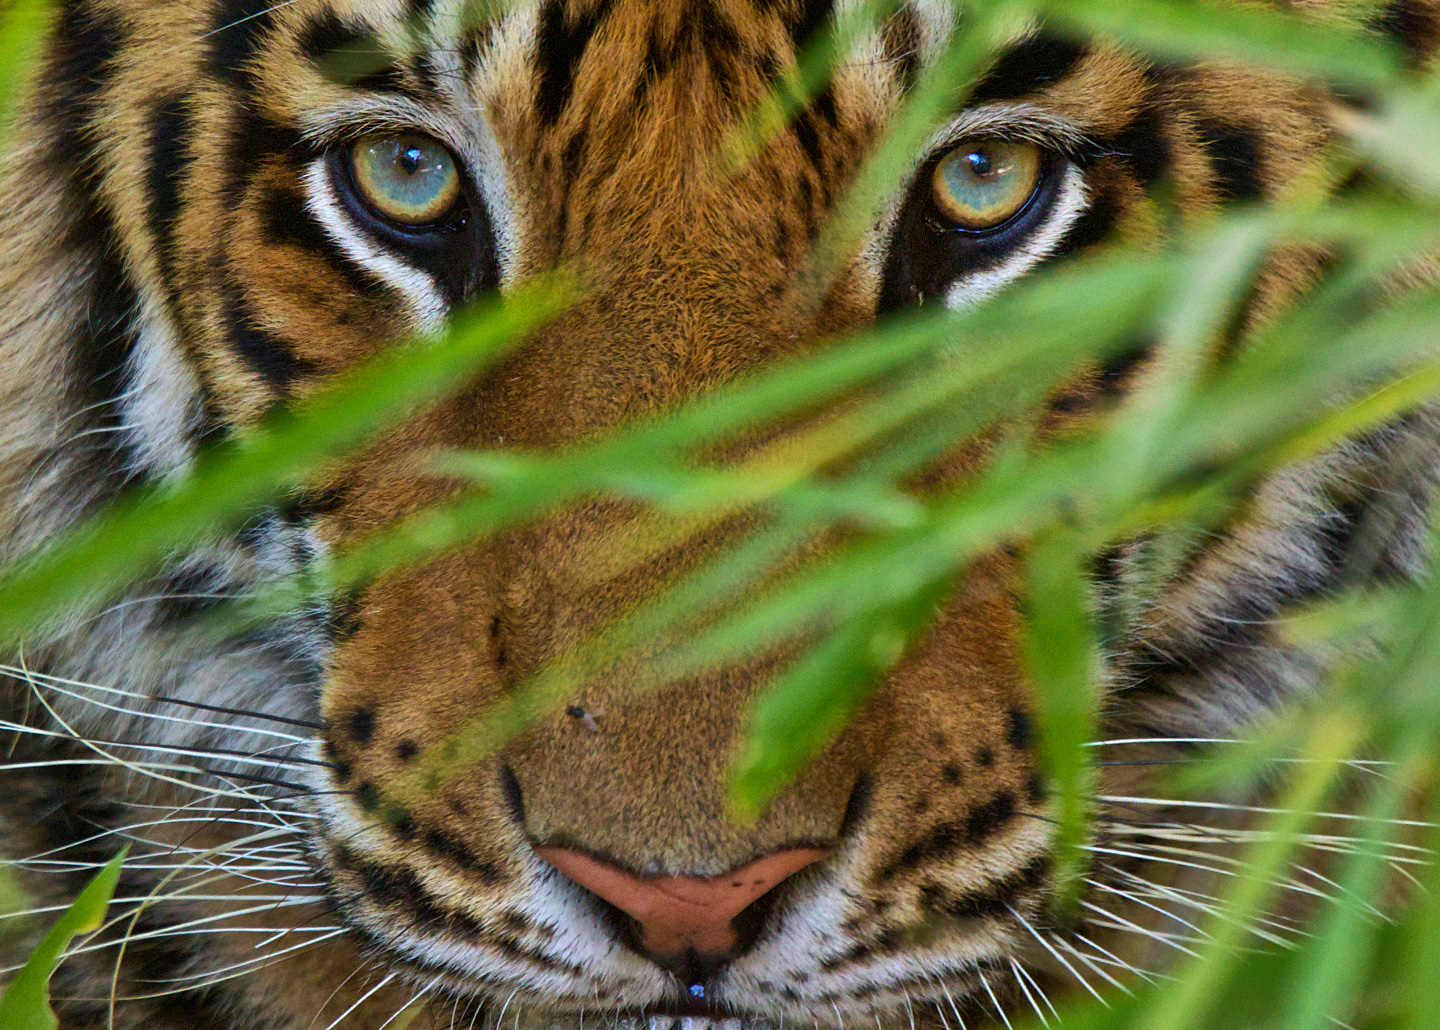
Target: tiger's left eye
[(982, 184), (408, 179)]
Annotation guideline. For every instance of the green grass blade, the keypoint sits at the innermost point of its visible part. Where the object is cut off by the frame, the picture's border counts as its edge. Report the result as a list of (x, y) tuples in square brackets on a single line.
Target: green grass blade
[(1062, 652), (25, 1005), (1262, 37), (22, 22), (239, 476), (810, 704)]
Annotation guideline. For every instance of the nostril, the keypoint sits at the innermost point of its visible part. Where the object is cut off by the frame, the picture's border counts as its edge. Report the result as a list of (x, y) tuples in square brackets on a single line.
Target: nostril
[(683, 918)]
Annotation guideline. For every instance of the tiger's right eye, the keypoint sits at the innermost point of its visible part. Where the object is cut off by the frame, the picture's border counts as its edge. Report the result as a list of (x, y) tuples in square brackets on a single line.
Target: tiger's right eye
[(409, 179)]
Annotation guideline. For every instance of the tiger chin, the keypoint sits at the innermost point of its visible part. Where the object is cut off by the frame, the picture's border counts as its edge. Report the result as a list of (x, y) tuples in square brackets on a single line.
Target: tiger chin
[(212, 207)]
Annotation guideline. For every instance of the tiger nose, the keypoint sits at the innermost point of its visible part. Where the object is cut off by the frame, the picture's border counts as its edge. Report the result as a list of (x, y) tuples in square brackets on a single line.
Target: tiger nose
[(683, 915)]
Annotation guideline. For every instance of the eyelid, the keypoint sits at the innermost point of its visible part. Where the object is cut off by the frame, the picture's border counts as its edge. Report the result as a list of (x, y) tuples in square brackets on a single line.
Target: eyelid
[(1019, 123)]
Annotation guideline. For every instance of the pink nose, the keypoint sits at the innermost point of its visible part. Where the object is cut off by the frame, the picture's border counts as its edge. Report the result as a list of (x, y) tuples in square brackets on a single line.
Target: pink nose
[(680, 914)]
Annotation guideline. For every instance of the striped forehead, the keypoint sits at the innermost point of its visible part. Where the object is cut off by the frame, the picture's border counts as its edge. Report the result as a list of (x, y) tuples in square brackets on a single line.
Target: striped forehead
[(558, 54)]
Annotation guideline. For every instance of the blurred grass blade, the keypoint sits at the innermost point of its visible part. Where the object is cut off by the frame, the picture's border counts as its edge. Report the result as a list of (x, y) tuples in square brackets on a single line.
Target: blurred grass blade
[(1326, 987), (1323, 48), (1191, 1000), (803, 712), (21, 24), (239, 476), (25, 1005), (1062, 653)]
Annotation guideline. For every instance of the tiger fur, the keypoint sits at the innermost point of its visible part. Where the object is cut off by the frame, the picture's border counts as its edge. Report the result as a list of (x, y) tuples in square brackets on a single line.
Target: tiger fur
[(180, 256)]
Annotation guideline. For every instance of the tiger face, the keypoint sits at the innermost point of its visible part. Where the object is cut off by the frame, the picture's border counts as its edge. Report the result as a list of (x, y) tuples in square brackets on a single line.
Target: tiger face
[(222, 205)]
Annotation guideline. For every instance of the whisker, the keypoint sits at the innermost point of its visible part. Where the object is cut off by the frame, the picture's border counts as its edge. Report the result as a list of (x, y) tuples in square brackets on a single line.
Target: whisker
[(140, 713), (415, 998), (999, 1009), (210, 978), (1211, 906), (32, 676), (1090, 964), (949, 1000), (1137, 899), (1112, 919), (1023, 979), (1222, 806), (358, 1002), (115, 760), (1055, 954), (1106, 956)]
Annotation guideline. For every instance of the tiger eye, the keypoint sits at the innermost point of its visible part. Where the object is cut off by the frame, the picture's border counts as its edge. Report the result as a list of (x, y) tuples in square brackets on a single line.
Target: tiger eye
[(409, 179), (982, 184)]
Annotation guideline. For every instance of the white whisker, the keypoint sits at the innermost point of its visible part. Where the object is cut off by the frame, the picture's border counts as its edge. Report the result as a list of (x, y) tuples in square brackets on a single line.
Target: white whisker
[(1055, 954), (362, 1000)]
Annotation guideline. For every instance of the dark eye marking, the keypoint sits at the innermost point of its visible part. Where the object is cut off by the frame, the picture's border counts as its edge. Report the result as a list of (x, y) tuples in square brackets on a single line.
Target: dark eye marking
[(1039, 61), (560, 45), (267, 355)]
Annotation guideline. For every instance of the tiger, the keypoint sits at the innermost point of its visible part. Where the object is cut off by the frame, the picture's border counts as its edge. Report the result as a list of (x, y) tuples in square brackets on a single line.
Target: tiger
[(214, 207)]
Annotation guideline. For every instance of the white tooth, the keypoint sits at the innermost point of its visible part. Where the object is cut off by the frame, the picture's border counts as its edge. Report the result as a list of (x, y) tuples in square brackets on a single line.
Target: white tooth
[(662, 1022), (730, 1024)]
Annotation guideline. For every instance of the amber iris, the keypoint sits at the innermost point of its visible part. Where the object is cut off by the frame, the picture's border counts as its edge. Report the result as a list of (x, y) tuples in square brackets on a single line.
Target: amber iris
[(409, 179), (983, 183)]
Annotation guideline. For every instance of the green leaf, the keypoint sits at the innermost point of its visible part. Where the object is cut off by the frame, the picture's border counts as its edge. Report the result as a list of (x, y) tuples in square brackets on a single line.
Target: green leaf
[(21, 24), (25, 1005), (1063, 654), (240, 476), (1267, 39), (808, 706)]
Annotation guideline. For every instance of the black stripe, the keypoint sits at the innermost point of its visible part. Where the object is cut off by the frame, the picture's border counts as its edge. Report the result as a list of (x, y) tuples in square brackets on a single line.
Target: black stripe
[(237, 30), (808, 136), (1039, 61), (76, 72), (560, 46), (426, 73), (807, 19), (475, 42), (1114, 373), (988, 902), (1237, 158), (1413, 25), (286, 221), (254, 139), (1143, 146), (1093, 227), (168, 157), (345, 54), (1243, 622), (901, 40), (713, 32), (78, 67), (270, 357), (941, 842)]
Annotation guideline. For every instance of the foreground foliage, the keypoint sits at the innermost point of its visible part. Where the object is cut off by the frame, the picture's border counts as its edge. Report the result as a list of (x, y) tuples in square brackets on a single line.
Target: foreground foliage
[(1173, 460)]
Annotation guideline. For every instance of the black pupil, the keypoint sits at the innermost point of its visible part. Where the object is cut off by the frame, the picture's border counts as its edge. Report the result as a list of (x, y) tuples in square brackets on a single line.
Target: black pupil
[(980, 163), (411, 158)]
